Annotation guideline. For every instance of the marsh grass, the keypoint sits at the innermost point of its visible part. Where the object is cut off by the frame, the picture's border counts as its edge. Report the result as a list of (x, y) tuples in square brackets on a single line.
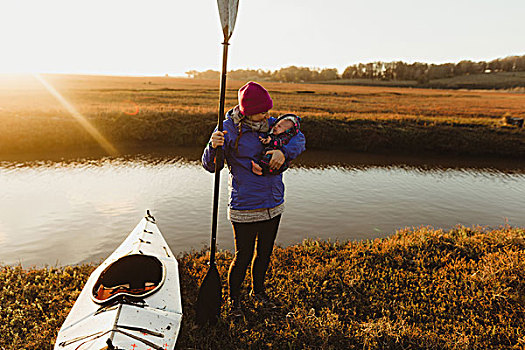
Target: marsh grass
[(511, 81), (176, 111), (419, 289)]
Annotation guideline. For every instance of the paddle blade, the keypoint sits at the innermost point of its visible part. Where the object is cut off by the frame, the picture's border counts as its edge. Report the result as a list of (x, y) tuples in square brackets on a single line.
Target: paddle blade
[(210, 297), (228, 15)]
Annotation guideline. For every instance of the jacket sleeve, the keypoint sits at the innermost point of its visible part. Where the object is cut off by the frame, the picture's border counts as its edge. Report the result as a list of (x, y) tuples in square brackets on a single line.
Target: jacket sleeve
[(208, 156), (295, 147)]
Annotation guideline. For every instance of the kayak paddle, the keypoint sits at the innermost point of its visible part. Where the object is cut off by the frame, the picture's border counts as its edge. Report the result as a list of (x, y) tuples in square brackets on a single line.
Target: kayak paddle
[(210, 292)]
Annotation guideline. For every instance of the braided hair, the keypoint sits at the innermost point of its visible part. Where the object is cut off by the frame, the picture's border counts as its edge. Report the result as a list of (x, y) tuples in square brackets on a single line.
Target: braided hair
[(238, 138)]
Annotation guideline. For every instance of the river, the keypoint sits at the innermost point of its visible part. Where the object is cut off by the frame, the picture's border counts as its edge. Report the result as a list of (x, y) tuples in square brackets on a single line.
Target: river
[(70, 210)]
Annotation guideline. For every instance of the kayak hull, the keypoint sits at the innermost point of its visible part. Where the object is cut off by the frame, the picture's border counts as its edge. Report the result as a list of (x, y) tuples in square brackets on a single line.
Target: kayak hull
[(149, 321)]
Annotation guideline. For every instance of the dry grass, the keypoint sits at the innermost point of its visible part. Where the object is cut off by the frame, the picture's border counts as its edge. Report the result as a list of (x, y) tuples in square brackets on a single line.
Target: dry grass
[(419, 289), (177, 111)]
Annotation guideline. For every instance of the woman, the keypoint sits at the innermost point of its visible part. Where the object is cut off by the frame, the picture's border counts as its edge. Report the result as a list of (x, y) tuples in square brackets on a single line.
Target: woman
[(256, 202)]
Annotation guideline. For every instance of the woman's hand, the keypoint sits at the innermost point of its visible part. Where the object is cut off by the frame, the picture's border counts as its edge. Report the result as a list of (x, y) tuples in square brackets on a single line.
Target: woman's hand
[(256, 168), (277, 158), (217, 138)]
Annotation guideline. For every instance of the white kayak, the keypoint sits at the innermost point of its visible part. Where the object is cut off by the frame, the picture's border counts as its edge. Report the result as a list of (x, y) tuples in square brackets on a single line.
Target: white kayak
[(131, 301)]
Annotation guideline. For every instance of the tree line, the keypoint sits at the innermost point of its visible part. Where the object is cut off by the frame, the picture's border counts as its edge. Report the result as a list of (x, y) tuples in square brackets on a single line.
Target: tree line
[(288, 74), (420, 72)]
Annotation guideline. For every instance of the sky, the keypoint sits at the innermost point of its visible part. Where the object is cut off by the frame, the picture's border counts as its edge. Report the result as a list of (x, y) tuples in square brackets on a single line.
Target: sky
[(158, 37)]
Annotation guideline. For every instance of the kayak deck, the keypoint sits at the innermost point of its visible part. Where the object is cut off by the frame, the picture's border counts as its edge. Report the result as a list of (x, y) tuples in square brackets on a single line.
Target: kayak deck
[(145, 313)]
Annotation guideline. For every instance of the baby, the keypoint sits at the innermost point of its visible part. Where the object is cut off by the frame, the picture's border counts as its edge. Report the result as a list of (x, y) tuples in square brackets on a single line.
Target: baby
[(285, 127)]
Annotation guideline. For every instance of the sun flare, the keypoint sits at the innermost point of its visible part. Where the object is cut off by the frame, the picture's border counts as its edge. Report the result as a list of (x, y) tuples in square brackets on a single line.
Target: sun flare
[(102, 141)]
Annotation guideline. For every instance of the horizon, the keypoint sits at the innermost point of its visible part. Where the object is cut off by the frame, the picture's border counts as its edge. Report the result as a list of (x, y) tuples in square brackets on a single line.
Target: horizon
[(116, 74)]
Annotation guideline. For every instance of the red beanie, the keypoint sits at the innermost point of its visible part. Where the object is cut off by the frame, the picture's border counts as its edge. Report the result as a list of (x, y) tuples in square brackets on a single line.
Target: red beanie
[(253, 99)]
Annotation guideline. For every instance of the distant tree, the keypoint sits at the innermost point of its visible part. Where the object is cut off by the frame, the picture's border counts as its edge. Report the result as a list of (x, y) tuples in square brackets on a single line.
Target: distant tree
[(520, 64), (388, 73), (401, 71), (247, 74), (350, 72), (379, 70), (209, 74), (360, 71), (419, 72), (328, 74), (464, 67), (509, 64), (482, 66), (288, 74), (495, 65), (306, 74), (192, 74), (398, 70), (477, 68), (440, 71)]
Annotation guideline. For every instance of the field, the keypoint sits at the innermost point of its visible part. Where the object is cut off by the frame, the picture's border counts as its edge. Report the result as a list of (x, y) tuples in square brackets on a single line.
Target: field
[(131, 111), (510, 81), (419, 289)]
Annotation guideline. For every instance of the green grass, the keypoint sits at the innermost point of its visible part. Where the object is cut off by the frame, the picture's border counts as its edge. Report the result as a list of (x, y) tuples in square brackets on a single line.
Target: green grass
[(419, 289), (492, 81)]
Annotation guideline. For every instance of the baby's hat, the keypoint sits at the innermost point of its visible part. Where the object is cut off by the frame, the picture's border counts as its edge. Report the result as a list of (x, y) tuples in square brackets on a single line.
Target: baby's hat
[(293, 118)]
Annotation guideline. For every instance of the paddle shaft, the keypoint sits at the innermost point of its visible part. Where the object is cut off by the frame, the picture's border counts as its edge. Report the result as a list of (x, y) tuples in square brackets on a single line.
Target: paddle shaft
[(219, 156)]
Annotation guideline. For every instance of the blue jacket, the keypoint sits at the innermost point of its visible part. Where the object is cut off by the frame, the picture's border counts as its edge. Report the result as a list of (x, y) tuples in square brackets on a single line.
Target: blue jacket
[(247, 190)]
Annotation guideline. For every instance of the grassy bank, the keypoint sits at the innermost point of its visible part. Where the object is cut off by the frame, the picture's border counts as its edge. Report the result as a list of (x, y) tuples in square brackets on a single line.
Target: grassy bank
[(511, 81), (421, 288), (146, 111)]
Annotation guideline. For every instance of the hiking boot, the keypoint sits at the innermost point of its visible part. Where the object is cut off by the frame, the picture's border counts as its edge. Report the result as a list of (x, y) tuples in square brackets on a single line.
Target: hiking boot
[(263, 300), (236, 309)]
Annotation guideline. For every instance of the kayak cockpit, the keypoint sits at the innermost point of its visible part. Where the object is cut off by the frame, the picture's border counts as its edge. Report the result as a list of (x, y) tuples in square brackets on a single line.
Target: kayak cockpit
[(135, 276)]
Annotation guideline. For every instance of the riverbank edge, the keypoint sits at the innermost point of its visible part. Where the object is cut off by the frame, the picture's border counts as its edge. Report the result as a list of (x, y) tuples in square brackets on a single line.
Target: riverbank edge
[(362, 135), (420, 288)]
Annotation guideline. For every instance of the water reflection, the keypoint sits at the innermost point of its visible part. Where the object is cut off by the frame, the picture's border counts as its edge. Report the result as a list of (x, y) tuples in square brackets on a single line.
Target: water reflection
[(428, 163), (311, 159), (71, 210)]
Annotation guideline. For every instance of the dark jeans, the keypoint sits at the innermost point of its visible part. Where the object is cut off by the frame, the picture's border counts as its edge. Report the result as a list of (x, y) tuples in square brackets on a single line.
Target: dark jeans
[(246, 236)]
